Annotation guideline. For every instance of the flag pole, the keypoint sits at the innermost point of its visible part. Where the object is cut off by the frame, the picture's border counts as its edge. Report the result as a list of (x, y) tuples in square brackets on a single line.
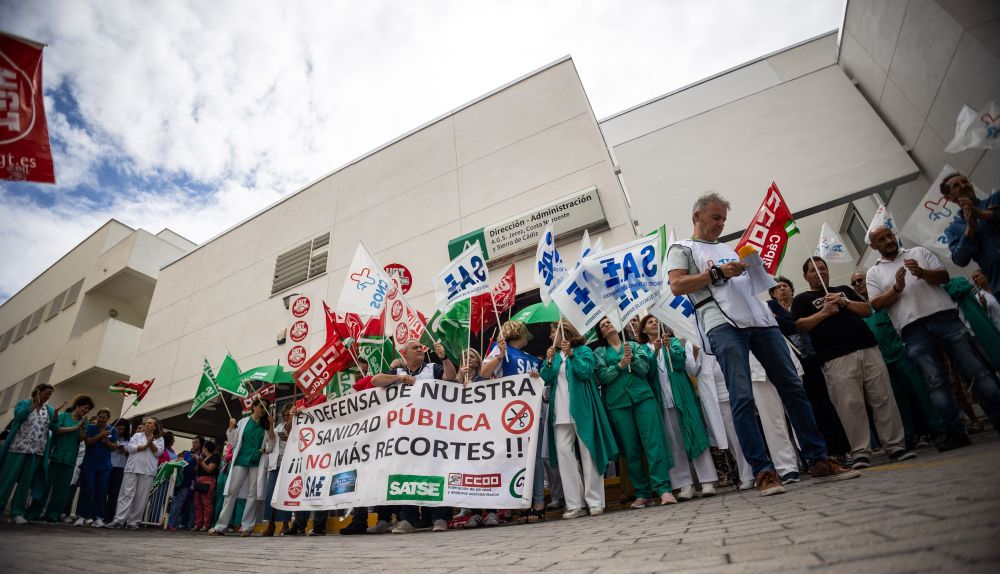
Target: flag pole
[(813, 259), (625, 342)]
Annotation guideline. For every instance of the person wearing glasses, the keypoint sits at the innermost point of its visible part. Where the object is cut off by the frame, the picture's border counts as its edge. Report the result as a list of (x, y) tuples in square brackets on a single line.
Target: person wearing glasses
[(974, 234)]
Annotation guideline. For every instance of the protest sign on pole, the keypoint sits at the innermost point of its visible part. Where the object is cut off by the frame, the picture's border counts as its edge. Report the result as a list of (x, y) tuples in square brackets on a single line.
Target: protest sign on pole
[(550, 269), (770, 229), (934, 213), (318, 370), (627, 278), (365, 287), (831, 246), (464, 277), (576, 301), (25, 151), (433, 443)]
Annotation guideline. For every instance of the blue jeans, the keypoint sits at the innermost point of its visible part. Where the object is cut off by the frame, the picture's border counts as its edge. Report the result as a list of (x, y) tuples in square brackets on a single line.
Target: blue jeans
[(181, 507), (732, 347), (93, 489), (924, 344)]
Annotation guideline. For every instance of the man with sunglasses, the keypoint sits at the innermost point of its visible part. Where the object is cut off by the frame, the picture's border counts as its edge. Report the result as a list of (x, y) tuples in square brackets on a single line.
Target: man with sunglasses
[(974, 234)]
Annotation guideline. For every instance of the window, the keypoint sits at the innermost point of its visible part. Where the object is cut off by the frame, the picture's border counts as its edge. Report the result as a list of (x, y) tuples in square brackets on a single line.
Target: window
[(886, 194), (22, 329), (5, 340), (73, 293), (301, 263), (44, 375), (36, 319), (857, 231), (6, 396), (56, 305)]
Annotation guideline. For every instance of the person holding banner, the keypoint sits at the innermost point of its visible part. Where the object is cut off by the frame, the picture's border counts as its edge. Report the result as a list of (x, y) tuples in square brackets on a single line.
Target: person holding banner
[(144, 449), (637, 418), (734, 323), (908, 283), (682, 415), (253, 437), (577, 420)]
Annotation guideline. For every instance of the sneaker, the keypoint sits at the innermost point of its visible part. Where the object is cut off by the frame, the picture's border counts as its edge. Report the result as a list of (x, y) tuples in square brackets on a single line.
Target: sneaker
[(403, 527), (768, 483), (20, 520), (492, 519), (68, 519), (88, 522), (828, 470), (953, 441), (707, 490), (790, 477), (133, 527), (861, 462), (667, 498), (686, 493), (575, 513), (596, 511), (556, 505), (381, 527), (79, 522), (474, 521), (745, 485), (901, 455), (357, 526), (440, 525), (98, 523)]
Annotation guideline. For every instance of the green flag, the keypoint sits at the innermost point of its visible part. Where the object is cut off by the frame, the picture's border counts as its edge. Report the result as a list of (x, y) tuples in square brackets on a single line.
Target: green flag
[(662, 231), (452, 329), (206, 389), (378, 351), (229, 379), (165, 470)]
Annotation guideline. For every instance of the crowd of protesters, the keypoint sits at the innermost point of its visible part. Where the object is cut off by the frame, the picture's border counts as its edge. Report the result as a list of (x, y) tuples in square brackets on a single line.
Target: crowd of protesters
[(814, 383)]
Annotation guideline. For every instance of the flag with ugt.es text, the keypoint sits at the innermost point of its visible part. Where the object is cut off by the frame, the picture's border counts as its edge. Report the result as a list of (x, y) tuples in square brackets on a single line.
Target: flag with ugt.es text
[(770, 229), (365, 287), (466, 276), (627, 278), (401, 322), (25, 152)]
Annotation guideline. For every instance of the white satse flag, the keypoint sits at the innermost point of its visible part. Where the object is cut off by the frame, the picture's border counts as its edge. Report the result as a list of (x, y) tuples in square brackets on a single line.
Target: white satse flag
[(366, 286), (976, 129), (831, 246)]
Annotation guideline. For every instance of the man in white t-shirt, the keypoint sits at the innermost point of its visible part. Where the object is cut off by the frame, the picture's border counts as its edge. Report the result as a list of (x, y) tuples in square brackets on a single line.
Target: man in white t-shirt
[(735, 323), (908, 282)]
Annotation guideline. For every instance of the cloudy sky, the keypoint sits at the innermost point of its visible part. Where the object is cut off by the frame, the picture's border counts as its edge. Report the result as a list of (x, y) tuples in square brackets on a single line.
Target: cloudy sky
[(195, 115)]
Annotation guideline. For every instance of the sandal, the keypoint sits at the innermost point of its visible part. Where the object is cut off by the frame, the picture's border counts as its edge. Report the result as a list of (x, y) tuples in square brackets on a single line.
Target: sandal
[(214, 532), (536, 514), (246, 533)]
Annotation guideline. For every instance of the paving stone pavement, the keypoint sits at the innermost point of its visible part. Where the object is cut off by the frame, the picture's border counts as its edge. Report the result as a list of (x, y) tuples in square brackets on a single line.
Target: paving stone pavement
[(940, 513)]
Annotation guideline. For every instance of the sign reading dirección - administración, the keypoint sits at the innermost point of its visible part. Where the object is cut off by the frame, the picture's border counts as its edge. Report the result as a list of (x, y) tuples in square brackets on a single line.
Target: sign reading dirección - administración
[(520, 233)]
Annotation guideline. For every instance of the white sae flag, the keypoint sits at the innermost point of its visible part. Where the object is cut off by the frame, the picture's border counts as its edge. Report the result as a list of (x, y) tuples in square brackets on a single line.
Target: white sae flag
[(575, 299), (550, 269), (466, 276), (831, 247), (627, 278)]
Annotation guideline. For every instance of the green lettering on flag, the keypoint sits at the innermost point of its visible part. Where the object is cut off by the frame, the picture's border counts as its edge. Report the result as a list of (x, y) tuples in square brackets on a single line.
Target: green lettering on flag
[(378, 351), (229, 379), (206, 390)]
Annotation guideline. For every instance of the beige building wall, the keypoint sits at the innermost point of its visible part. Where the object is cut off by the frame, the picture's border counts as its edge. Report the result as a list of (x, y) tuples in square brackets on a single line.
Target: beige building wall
[(91, 306), (522, 146)]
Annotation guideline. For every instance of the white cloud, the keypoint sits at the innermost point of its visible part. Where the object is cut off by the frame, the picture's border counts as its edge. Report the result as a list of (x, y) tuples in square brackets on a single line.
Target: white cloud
[(255, 99)]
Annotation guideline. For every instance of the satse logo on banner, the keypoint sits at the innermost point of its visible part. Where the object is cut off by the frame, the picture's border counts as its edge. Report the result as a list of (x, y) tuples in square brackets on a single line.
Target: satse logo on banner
[(415, 487)]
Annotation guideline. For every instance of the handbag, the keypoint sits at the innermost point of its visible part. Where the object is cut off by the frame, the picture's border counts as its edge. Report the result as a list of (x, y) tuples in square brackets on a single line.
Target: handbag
[(201, 487)]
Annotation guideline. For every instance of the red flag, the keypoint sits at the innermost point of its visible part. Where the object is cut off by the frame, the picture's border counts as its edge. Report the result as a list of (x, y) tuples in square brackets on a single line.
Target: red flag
[(351, 325), (401, 321), (129, 388), (483, 315), (266, 392), (313, 376), (25, 152), (770, 229)]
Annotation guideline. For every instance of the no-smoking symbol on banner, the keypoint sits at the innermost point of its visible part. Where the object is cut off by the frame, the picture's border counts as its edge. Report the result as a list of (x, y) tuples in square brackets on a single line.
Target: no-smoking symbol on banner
[(517, 417)]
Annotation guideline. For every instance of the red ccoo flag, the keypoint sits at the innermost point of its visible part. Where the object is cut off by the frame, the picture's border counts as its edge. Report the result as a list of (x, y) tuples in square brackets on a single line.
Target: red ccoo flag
[(313, 376), (770, 229)]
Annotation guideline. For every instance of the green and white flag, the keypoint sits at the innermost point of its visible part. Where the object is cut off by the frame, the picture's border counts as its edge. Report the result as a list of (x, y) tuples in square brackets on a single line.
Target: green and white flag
[(378, 351), (451, 328), (229, 379), (166, 469), (206, 390)]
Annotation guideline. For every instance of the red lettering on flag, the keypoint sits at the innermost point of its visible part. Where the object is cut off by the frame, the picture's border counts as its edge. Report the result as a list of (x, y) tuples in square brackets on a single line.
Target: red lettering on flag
[(318, 370), (770, 229)]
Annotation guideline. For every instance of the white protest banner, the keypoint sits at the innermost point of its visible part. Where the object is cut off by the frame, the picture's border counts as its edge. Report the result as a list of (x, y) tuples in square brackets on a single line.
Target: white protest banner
[(976, 129), (550, 269), (466, 276), (433, 443), (831, 246), (934, 213), (577, 304), (365, 287), (627, 278)]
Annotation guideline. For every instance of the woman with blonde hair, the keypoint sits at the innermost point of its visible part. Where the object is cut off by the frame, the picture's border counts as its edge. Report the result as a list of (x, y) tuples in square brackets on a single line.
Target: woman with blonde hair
[(577, 419)]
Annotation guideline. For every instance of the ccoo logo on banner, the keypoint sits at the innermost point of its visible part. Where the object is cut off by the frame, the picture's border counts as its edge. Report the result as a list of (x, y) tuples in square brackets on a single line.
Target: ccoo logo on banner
[(434, 443)]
